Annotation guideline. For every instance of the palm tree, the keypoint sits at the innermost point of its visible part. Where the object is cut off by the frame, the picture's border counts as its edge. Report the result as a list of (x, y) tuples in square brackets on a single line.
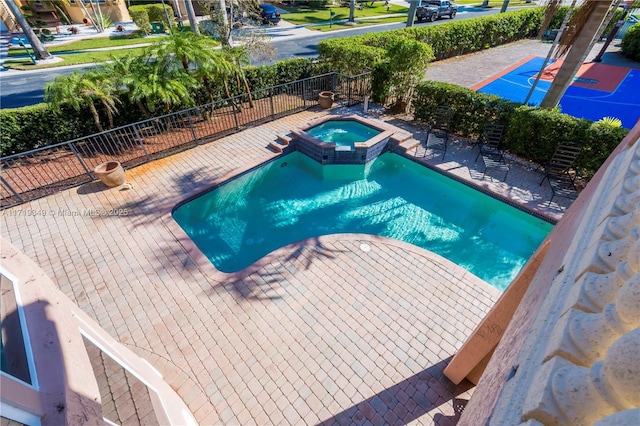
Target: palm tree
[(217, 67), (105, 92), (38, 49), (238, 58), (82, 89), (125, 72), (163, 85), (583, 28), (183, 47)]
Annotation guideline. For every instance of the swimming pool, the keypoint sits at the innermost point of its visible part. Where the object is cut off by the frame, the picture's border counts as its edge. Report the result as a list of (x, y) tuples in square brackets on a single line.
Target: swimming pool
[(294, 197)]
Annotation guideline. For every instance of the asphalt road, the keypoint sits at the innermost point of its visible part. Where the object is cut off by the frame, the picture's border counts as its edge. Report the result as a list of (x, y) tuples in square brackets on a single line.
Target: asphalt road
[(19, 89)]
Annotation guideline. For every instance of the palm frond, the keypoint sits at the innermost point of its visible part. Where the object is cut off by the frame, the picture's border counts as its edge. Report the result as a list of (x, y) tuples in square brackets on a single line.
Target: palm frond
[(551, 8), (575, 26)]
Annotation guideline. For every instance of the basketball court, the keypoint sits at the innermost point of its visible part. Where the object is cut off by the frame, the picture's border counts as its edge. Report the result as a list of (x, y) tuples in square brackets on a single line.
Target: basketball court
[(598, 90)]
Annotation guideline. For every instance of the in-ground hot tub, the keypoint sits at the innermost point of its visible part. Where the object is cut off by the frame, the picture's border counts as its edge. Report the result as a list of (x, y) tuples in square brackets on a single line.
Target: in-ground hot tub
[(351, 139)]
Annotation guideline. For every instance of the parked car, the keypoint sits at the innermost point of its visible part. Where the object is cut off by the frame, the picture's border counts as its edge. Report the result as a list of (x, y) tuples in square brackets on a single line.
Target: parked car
[(435, 9), (269, 14)]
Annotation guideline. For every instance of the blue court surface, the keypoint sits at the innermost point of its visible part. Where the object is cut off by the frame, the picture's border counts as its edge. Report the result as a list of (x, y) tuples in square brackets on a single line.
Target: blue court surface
[(598, 90)]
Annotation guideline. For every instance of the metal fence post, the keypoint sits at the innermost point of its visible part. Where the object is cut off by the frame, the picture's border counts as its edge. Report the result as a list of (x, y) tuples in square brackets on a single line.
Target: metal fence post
[(140, 141), (349, 100), (193, 131), (304, 93), (11, 189), (334, 77), (86, 169), (235, 116), (273, 110)]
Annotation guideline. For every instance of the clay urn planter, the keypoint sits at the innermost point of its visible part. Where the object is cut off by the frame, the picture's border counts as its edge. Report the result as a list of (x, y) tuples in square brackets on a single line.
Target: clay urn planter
[(110, 173), (325, 99)]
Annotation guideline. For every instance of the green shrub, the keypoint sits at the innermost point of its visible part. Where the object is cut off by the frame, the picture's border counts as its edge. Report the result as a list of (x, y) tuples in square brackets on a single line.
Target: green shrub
[(157, 13), (140, 16), (601, 139), (472, 110), (532, 133), (349, 56), (400, 71), (36, 126), (535, 132), (144, 14), (631, 43)]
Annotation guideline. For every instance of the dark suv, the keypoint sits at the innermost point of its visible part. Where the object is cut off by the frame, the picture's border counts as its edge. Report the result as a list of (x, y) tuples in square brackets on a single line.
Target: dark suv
[(269, 14)]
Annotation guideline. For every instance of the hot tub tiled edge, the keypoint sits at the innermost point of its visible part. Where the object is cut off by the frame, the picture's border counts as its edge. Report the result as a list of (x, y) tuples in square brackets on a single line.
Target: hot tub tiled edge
[(363, 152)]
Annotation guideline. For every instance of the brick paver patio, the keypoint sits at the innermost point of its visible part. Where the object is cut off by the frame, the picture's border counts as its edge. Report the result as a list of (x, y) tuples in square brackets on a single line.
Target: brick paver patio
[(323, 331)]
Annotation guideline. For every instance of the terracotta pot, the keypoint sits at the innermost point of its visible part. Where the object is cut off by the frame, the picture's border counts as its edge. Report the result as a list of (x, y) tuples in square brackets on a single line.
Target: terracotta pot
[(325, 99), (110, 173)]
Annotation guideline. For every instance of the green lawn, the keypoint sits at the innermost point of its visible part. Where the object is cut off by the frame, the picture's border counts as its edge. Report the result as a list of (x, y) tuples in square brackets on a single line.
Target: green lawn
[(304, 15), (74, 59), (93, 43), (363, 23)]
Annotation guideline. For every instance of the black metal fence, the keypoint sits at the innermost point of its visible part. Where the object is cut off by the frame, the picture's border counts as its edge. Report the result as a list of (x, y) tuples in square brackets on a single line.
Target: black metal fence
[(40, 172)]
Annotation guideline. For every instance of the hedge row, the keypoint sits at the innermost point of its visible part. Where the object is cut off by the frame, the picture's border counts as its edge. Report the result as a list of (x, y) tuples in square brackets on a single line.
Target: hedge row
[(530, 132), (36, 126), (358, 53)]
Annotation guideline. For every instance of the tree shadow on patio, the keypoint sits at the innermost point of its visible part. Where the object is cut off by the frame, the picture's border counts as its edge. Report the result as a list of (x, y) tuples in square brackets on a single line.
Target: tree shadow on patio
[(264, 279), (409, 400)]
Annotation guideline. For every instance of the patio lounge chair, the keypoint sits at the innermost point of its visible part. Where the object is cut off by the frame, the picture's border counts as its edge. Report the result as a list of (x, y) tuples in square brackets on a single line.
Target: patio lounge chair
[(562, 160), (438, 133), (558, 171), (490, 149)]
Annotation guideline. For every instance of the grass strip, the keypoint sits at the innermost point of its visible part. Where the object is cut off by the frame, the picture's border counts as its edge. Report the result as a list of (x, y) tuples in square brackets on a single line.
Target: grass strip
[(74, 59), (303, 15), (363, 23), (94, 43)]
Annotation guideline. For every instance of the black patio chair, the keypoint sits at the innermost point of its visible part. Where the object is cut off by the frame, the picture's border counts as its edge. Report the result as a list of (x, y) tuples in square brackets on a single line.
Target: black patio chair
[(562, 186), (439, 130), (562, 161), (490, 148)]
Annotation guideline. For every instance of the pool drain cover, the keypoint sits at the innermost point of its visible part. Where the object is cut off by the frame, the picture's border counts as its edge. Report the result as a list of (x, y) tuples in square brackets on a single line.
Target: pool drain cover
[(365, 247)]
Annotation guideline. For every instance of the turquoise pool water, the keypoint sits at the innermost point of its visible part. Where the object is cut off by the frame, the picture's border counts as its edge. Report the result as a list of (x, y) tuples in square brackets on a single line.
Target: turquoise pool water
[(343, 132), (294, 198)]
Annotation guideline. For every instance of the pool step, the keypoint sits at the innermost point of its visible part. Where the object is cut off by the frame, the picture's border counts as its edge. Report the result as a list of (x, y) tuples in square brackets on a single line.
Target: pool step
[(283, 140), (404, 141), (280, 143), (276, 147)]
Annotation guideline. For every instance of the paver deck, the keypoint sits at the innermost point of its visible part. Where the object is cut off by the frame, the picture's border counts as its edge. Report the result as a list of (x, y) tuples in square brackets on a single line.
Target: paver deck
[(322, 332)]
